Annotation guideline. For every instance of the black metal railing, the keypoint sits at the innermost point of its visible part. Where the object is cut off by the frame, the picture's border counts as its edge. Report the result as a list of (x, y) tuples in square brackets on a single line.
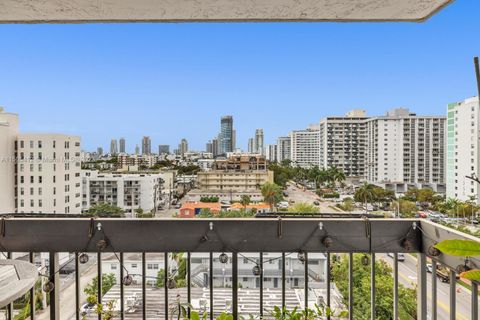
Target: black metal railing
[(237, 236)]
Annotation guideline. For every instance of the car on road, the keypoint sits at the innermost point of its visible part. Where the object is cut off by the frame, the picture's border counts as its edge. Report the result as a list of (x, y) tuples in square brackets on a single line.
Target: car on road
[(401, 256), (87, 309), (429, 268), (316, 203), (178, 206)]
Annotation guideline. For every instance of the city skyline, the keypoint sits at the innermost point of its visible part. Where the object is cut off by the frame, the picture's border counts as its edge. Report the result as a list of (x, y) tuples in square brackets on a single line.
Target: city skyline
[(296, 74)]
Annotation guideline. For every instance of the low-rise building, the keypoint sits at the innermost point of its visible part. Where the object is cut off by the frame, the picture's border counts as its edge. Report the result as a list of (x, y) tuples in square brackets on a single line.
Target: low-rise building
[(132, 264), (191, 209), (272, 270), (233, 180), (126, 191)]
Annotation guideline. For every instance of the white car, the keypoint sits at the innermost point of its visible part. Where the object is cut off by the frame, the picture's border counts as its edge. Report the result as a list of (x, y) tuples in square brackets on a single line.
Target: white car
[(401, 256), (429, 268)]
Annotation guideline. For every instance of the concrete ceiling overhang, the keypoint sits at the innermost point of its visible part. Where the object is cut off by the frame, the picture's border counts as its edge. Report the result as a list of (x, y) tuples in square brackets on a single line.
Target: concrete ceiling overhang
[(84, 11)]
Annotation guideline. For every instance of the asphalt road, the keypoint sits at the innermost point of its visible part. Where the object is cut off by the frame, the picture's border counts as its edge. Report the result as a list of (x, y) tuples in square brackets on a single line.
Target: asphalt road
[(407, 272)]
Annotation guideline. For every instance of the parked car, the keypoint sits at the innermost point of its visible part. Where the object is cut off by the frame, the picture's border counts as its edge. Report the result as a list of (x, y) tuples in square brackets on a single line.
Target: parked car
[(429, 268), (178, 206), (316, 203)]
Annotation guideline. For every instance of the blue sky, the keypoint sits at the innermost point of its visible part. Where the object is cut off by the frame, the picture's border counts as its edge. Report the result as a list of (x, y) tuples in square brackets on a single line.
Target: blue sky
[(174, 81)]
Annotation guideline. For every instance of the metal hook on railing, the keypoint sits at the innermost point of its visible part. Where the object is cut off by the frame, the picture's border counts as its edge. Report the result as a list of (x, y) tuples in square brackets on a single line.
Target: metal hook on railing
[(3, 227), (91, 229), (280, 228)]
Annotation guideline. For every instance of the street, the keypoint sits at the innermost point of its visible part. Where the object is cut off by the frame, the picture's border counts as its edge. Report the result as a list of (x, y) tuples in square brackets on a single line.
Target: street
[(407, 273)]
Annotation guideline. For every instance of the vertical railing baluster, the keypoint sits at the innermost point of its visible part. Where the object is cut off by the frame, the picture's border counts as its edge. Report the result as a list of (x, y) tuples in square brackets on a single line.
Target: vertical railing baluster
[(235, 285), (372, 287), (77, 287), (474, 305), (32, 291), (421, 286), (210, 280), (99, 282), (53, 266), (453, 295), (144, 286), (328, 273), (122, 289), (434, 290), (9, 306), (350, 286), (165, 280), (395, 286), (261, 285), (189, 283), (283, 282), (306, 282)]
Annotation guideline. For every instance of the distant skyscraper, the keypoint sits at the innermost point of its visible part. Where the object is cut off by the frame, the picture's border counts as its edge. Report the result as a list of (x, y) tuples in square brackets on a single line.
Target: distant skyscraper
[(250, 145), (234, 140), (122, 145), (114, 147), (137, 149), (209, 147), (215, 147), (146, 145), (226, 135), (100, 151), (183, 147), (163, 149), (258, 143)]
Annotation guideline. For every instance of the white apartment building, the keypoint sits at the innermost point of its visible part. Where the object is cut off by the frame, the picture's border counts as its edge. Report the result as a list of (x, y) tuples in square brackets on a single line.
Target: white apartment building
[(305, 147), (463, 158), (271, 152), (48, 173), (272, 270), (126, 191), (132, 264), (8, 145), (283, 148), (343, 142), (405, 150)]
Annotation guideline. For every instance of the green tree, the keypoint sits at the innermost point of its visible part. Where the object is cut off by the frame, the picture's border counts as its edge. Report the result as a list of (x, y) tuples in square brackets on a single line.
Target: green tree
[(407, 208), (245, 200), (105, 210), (272, 194), (365, 194), (108, 281), (384, 290)]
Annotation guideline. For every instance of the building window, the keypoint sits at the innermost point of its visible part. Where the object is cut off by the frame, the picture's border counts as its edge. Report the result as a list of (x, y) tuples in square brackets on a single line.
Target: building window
[(134, 265)]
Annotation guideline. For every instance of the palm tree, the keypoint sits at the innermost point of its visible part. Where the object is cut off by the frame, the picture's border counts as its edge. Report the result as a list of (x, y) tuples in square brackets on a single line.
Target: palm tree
[(272, 194), (335, 175), (245, 201), (365, 193)]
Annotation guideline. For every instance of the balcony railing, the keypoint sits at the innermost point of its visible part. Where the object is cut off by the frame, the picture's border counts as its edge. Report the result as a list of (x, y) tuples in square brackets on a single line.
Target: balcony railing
[(237, 236)]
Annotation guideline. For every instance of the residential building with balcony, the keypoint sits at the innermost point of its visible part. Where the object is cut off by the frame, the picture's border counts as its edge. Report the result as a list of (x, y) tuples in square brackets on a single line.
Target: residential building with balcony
[(463, 145), (241, 161), (405, 150), (233, 180), (284, 148), (126, 191), (342, 143), (48, 173), (305, 147), (271, 152)]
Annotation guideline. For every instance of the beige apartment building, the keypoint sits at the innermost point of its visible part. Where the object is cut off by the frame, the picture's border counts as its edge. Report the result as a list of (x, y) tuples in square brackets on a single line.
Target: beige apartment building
[(234, 181)]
